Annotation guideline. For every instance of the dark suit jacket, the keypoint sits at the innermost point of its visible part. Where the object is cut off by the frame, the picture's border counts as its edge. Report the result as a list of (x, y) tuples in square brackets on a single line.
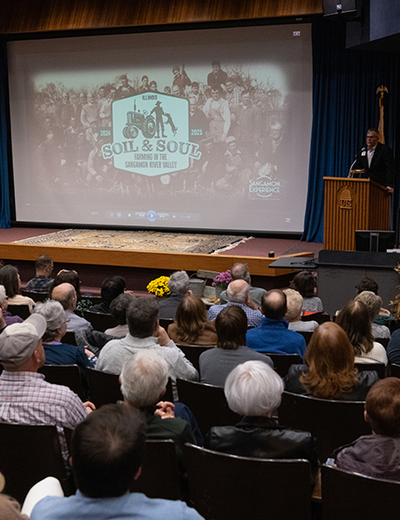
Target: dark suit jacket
[(382, 165)]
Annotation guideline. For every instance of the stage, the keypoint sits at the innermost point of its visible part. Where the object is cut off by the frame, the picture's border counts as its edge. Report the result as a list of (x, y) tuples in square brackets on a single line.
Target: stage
[(94, 264)]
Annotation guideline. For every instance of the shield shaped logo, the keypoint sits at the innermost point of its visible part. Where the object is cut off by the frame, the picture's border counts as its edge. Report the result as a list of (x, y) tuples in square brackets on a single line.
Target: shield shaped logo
[(151, 134)]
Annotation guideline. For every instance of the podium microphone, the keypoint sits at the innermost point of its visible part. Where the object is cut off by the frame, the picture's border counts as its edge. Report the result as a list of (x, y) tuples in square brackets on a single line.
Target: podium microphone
[(349, 175)]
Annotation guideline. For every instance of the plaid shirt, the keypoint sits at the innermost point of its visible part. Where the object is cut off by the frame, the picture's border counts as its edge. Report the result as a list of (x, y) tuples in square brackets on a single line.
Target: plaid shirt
[(25, 398), (39, 284), (253, 317)]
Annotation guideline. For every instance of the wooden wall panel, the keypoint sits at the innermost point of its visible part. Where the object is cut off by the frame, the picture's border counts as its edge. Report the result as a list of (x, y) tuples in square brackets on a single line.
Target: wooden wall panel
[(22, 16)]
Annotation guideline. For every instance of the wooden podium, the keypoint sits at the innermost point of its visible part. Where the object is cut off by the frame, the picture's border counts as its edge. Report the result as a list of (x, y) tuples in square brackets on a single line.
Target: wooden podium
[(350, 205)]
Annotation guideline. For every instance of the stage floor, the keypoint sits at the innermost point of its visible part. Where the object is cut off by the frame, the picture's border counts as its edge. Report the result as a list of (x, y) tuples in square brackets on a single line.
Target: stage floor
[(254, 252)]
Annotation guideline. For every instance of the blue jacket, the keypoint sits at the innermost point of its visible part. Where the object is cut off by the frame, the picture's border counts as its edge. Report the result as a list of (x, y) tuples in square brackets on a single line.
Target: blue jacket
[(273, 336)]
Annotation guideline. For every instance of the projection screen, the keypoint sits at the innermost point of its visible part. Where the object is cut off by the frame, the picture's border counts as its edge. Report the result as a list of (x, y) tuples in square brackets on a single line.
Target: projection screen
[(191, 129)]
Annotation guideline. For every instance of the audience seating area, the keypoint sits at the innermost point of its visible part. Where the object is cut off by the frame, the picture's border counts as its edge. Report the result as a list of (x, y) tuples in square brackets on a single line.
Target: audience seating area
[(221, 486)]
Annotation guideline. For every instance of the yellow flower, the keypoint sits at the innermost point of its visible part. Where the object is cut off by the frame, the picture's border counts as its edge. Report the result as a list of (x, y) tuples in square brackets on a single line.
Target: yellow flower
[(159, 286)]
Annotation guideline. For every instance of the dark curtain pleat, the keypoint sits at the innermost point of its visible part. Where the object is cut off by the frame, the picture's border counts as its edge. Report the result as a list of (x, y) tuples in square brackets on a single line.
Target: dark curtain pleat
[(4, 191)]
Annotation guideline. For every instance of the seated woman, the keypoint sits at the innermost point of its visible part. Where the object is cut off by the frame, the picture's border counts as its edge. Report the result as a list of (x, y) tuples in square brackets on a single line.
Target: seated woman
[(355, 320), (305, 283), (118, 309), (294, 304), (377, 455), (374, 303), (191, 326), (329, 371), (254, 390), (58, 353), (10, 279), (231, 350), (8, 318)]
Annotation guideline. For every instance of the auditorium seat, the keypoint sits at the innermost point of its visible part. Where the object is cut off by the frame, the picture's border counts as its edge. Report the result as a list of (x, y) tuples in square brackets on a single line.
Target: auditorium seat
[(19, 310), (282, 362), (159, 477), (333, 423), (226, 486), (67, 375), (104, 388), (193, 352), (99, 321), (347, 496), (378, 367), (208, 404), (36, 297), (29, 454)]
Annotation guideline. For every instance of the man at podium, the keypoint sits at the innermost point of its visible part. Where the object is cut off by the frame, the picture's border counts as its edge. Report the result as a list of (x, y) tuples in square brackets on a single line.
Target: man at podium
[(376, 159)]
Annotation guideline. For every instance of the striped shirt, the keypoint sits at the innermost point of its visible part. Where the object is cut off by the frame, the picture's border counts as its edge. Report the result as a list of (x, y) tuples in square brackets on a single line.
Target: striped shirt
[(254, 317), (26, 398)]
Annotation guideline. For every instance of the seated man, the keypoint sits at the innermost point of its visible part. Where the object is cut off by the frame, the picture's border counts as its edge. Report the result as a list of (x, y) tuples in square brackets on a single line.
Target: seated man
[(377, 455), (107, 453), (42, 281), (238, 294), (111, 287), (144, 379), (254, 391), (178, 285), (65, 294), (241, 272), (294, 304), (217, 363), (273, 334), (145, 333), (27, 398)]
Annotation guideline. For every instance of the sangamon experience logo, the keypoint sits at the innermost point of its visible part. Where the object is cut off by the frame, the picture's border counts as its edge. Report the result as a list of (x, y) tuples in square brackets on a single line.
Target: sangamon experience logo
[(151, 135)]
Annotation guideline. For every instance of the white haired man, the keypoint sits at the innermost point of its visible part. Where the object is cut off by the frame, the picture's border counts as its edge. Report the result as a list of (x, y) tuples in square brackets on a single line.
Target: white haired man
[(144, 379), (241, 272), (238, 294), (253, 390), (178, 285)]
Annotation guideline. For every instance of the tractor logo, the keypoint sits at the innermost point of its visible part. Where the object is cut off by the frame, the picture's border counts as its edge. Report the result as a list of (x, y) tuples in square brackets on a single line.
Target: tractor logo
[(151, 135)]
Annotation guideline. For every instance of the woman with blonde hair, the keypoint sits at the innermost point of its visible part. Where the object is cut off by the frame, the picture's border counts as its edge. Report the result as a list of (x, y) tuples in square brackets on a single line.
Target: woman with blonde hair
[(191, 326), (329, 372), (355, 320)]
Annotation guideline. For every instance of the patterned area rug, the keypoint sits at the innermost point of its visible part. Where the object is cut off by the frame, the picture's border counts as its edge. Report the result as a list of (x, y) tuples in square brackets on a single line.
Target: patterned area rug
[(146, 241)]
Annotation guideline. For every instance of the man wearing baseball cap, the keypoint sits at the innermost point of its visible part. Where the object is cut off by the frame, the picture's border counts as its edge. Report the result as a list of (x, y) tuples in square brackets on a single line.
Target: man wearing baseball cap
[(25, 396)]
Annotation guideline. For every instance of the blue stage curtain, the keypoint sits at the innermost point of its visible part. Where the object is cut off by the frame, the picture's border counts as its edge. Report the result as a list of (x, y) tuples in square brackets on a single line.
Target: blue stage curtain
[(345, 105), (4, 191)]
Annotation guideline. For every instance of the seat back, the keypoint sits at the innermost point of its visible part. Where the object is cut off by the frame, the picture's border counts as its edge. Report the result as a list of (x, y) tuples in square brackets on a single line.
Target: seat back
[(347, 496), (165, 322), (19, 310), (67, 375), (104, 388), (208, 404), (99, 321), (159, 477), (226, 486), (378, 367), (282, 362), (69, 338), (333, 423), (395, 370), (192, 353), (36, 297), (29, 454)]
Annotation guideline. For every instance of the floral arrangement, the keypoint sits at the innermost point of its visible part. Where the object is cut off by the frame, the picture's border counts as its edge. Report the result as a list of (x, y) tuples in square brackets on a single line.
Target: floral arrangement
[(222, 279), (159, 286)]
